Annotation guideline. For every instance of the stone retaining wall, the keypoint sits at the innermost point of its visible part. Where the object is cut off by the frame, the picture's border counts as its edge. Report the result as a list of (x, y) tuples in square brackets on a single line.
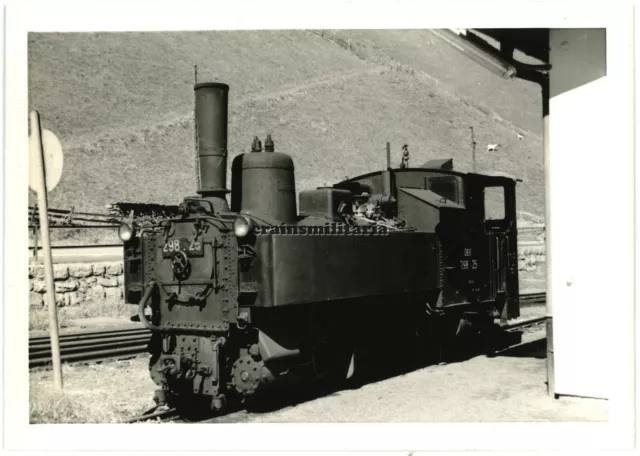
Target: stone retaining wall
[(532, 259), (77, 283)]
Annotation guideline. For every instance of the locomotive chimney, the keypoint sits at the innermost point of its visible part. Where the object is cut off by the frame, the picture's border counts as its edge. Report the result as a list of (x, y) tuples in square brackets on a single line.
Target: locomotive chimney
[(211, 131)]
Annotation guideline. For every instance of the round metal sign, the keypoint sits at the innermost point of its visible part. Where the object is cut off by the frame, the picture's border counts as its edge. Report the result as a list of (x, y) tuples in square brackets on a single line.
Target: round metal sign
[(52, 160)]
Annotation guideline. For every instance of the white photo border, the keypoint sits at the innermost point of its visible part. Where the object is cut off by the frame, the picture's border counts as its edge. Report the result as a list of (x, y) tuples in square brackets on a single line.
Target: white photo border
[(22, 17)]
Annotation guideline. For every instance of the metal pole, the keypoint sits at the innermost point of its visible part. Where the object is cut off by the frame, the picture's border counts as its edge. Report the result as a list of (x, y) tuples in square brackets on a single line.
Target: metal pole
[(46, 251), (386, 174), (195, 128), (388, 155), (473, 150), (547, 219)]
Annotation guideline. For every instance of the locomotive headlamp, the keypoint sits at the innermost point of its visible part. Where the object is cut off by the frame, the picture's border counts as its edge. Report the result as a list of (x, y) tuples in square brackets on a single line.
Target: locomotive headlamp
[(125, 232), (242, 226)]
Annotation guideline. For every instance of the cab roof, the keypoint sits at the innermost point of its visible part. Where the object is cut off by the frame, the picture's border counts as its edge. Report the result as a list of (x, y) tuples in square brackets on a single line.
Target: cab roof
[(440, 165)]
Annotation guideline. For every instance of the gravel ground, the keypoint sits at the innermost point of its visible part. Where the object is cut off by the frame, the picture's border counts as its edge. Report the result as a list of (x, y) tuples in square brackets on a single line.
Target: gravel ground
[(109, 392), (482, 389)]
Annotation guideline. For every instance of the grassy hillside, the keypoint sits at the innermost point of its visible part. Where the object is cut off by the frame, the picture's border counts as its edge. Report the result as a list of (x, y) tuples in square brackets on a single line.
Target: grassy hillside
[(515, 102), (121, 105)]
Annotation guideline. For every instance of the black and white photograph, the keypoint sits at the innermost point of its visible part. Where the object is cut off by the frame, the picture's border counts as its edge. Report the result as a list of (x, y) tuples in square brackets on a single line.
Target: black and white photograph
[(325, 226)]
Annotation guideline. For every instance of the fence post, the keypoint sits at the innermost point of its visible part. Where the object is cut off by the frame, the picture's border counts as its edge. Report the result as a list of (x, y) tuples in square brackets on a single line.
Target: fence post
[(35, 241)]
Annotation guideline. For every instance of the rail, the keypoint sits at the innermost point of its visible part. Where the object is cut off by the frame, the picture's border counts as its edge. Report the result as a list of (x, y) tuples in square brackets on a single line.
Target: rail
[(524, 323), (532, 299), (153, 414)]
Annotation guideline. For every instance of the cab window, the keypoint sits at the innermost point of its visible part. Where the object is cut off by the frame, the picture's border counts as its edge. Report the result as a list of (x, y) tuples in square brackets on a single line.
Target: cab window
[(494, 203), (446, 186)]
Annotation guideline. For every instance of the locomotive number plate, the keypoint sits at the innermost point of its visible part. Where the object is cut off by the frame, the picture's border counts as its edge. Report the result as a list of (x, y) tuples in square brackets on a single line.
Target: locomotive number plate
[(191, 247), (469, 264)]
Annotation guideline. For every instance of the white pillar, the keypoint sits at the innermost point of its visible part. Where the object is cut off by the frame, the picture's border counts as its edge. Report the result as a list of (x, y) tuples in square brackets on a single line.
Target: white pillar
[(581, 185)]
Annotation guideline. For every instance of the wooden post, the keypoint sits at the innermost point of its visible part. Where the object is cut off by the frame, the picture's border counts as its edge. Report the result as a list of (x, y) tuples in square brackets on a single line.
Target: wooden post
[(36, 131), (473, 150), (551, 388)]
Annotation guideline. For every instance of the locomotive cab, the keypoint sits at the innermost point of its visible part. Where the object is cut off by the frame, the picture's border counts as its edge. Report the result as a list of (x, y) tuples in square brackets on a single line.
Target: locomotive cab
[(474, 218)]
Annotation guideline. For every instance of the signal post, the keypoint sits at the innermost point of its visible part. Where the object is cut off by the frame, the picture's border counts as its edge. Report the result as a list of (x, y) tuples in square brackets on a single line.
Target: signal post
[(45, 155)]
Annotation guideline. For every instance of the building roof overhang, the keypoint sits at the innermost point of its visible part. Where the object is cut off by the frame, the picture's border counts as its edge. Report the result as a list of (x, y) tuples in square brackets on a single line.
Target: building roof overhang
[(511, 53)]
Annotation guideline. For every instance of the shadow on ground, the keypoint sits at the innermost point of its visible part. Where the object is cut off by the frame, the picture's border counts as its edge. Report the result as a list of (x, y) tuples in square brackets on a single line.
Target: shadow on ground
[(296, 394), (535, 349)]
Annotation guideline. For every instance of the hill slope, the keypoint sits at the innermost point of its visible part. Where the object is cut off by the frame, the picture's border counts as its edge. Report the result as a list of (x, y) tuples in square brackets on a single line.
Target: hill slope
[(121, 105)]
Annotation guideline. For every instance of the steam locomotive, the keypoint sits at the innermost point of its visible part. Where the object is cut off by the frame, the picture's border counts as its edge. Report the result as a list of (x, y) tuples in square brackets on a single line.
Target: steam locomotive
[(371, 270)]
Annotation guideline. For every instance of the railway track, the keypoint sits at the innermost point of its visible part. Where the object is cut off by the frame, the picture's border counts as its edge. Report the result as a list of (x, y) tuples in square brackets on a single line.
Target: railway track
[(119, 343), (533, 299), (90, 346)]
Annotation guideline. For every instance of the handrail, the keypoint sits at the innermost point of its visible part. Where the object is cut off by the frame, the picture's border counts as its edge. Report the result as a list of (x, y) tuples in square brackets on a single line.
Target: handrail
[(143, 303)]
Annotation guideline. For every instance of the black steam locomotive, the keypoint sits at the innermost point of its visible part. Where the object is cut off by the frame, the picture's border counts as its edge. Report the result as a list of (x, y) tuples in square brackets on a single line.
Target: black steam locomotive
[(369, 271)]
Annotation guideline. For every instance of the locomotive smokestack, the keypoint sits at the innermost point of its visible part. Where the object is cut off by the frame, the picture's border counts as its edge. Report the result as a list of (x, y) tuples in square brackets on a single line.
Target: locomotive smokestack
[(211, 127)]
